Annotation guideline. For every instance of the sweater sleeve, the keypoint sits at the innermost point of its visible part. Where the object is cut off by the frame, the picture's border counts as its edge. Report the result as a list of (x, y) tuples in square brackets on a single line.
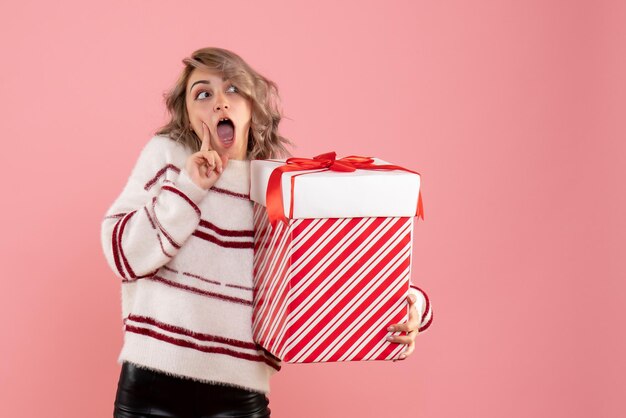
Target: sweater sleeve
[(150, 220), (423, 306)]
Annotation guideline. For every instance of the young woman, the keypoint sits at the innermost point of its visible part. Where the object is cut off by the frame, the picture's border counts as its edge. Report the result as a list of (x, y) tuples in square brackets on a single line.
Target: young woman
[(180, 238)]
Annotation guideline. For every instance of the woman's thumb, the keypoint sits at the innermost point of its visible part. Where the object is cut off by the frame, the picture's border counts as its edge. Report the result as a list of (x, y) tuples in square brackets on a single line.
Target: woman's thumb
[(224, 160)]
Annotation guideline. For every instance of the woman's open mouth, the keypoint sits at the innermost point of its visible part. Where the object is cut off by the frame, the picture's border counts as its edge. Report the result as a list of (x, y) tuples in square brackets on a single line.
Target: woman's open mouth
[(226, 132)]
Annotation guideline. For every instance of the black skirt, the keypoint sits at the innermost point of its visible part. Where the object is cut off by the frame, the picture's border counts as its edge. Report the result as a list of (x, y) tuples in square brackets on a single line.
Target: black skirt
[(147, 393)]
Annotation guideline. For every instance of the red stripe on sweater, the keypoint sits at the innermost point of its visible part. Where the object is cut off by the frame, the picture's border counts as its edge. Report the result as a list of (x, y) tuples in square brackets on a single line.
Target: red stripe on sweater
[(225, 298), (236, 286), (116, 253), (149, 218), (186, 273), (159, 173), (227, 232), (427, 324), (206, 349), (117, 215), (170, 269), (226, 244), (165, 234), (270, 362), (184, 196), (270, 355), (157, 231), (163, 248), (201, 278), (193, 334), (204, 279), (123, 221), (229, 193)]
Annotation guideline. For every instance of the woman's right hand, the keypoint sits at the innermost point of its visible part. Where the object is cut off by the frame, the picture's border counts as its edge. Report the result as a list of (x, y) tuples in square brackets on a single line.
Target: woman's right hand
[(205, 166)]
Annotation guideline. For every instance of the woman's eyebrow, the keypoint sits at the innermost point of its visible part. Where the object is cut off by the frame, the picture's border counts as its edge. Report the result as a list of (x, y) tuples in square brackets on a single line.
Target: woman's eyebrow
[(199, 81)]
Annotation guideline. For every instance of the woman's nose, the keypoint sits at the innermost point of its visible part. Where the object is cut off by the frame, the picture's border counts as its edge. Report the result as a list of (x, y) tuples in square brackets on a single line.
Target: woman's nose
[(221, 102)]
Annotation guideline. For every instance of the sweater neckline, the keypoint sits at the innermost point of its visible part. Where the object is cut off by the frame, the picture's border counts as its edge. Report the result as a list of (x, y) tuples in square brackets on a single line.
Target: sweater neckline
[(237, 166), (237, 163), (235, 177)]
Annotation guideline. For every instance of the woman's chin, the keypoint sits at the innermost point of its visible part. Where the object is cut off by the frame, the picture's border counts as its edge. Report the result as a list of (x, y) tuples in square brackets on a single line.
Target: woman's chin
[(227, 144)]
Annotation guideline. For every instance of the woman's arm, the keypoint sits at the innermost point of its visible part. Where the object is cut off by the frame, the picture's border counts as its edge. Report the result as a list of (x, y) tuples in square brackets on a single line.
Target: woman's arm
[(151, 219), (420, 318), (422, 303)]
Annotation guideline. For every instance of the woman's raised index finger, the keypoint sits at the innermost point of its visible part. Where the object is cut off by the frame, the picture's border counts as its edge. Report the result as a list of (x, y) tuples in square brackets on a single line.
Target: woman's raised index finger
[(206, 138)]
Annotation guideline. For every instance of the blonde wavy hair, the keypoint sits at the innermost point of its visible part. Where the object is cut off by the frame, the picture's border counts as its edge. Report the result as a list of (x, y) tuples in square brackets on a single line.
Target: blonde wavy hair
[(264, 141)]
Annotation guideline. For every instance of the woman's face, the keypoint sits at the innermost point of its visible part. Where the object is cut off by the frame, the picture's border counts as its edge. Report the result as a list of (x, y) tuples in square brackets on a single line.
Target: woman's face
[(209, 99)]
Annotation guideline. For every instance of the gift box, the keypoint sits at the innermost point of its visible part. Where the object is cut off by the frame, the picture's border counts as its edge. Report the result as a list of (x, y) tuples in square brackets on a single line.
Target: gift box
[(332, 256)]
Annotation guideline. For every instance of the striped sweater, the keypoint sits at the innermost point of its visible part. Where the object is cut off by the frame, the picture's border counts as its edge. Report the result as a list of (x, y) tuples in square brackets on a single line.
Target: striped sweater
[(184, 257)]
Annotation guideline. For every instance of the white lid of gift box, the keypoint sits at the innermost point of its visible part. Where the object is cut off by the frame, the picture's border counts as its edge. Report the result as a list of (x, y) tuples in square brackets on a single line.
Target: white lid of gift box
[(333, 194)]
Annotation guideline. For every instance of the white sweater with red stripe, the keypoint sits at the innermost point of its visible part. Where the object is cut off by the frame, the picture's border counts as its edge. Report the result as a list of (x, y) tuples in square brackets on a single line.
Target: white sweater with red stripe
[(184, 256)]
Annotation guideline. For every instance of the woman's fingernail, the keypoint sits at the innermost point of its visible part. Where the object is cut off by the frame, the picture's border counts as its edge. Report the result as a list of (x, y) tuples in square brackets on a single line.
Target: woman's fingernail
[(402, 356), (390, 329), (389, 338)]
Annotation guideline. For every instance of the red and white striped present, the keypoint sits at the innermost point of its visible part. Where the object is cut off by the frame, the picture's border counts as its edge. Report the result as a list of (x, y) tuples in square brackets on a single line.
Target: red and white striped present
[(331, 270)]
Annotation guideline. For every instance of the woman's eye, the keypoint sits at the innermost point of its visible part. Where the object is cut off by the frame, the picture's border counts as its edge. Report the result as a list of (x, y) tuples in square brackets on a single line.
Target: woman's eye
[(233, 88), (198, 95)]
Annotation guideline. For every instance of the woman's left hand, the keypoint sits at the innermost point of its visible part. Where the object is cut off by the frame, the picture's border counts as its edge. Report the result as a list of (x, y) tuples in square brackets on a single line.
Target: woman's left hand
[(411, 327)]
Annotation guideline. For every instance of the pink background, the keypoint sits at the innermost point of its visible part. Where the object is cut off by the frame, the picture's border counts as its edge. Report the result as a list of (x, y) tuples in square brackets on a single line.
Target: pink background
[(513, 112)]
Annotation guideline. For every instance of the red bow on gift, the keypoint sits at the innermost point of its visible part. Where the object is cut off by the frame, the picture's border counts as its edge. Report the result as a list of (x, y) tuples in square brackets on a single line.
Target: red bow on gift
[(323, 162)]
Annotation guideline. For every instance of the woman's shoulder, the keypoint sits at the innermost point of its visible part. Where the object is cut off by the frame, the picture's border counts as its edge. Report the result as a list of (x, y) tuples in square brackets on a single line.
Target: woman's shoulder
[(160, 152), (163, 149)]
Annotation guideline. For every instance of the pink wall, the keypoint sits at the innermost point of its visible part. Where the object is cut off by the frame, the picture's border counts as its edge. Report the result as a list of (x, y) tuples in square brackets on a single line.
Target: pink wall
[(512, 111)]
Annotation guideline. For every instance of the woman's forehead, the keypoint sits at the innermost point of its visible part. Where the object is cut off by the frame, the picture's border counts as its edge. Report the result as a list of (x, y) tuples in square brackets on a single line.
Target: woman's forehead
[(203, 74)]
